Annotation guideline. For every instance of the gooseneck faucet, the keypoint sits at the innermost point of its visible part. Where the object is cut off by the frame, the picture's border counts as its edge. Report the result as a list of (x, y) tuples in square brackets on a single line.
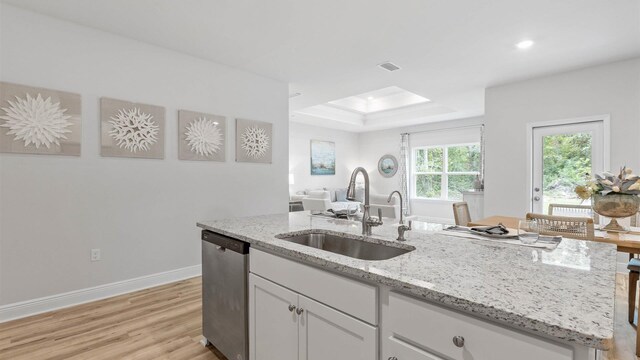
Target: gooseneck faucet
[(401, 207), (402, 228), (367, 221)]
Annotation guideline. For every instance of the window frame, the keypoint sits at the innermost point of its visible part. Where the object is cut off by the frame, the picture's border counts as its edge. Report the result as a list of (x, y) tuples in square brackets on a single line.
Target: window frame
[(445, 173)]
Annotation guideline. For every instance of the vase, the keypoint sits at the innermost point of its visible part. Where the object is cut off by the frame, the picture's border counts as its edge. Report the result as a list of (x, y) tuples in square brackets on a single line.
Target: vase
[(615, 206)]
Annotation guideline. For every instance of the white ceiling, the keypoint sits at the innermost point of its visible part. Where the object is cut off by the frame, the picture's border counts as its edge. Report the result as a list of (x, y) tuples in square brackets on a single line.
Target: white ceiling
[(449, 51), (389, 98)]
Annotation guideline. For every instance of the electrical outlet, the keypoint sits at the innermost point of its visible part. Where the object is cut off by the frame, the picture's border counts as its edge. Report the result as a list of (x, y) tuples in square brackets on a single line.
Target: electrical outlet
[(95, 254)]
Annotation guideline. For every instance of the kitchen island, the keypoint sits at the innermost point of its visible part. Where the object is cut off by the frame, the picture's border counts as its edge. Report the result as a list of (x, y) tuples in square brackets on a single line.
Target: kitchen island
[(519, 300)]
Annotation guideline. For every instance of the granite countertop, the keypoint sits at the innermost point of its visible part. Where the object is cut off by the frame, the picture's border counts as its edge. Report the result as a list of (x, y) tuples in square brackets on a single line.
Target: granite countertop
[(565, 294)]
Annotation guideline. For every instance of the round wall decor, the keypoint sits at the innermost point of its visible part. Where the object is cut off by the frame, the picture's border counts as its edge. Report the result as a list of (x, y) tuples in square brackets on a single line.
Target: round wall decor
[(388, 165)]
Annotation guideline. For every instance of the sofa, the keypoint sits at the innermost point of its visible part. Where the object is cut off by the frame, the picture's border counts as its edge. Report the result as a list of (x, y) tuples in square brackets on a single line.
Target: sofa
[(389, 209), (336, 199), (323, 200)]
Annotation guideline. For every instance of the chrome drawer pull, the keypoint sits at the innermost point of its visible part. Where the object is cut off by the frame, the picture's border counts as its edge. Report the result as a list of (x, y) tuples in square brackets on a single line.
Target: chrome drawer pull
[(292, 307), (299, 311), (458, 341)]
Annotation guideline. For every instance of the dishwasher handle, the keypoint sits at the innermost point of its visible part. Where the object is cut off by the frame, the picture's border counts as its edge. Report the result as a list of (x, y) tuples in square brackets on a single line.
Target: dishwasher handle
[(225, 243)]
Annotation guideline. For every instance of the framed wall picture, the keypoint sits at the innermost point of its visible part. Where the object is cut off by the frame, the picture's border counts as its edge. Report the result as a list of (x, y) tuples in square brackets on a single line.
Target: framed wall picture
[(39, 121), (131, 129), (323, 157), (388, 165), (201, 136), (254, 142)]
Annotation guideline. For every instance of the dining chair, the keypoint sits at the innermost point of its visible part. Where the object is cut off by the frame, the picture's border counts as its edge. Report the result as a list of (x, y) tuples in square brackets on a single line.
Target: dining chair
[(572, 227), (574, 210), (461, 213), (634, 275)]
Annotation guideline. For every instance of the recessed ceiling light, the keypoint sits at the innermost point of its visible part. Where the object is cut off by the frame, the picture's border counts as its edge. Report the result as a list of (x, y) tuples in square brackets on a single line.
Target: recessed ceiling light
[(370, 98), (215, 123), (524, 44)]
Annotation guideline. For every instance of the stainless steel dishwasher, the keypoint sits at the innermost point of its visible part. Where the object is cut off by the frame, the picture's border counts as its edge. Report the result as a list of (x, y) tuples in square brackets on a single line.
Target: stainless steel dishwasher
[(225, 320)]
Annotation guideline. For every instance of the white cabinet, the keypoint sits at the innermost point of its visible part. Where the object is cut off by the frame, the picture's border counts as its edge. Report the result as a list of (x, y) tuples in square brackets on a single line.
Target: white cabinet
[(329, 334), (352, 297), (475, 201), (301, 312), (273, 327), (414, 329), (285, 325)]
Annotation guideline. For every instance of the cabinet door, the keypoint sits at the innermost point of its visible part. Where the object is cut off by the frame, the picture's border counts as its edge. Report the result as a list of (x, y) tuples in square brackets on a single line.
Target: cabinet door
[(326, 333), (273, 325)]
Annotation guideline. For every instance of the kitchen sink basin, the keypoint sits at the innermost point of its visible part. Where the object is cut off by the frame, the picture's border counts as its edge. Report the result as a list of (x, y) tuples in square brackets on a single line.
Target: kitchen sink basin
[(347, 246)]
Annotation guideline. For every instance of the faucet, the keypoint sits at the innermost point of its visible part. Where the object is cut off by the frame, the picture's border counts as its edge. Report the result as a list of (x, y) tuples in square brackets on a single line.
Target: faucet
[(402, 228), (367, 221)]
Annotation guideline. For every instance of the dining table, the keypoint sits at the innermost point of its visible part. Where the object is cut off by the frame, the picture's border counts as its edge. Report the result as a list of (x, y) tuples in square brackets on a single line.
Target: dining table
[(628, 242)]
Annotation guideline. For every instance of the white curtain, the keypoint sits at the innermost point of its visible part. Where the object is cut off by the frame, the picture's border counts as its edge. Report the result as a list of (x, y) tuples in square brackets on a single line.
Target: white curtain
[(482, 150), (403, 167)]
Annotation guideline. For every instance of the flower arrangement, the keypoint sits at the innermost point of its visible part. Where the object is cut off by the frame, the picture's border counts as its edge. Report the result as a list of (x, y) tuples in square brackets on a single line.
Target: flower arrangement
[(626, 182)]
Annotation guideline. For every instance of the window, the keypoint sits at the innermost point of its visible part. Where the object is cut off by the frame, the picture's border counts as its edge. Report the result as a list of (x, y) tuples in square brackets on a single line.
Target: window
[(443, 172)]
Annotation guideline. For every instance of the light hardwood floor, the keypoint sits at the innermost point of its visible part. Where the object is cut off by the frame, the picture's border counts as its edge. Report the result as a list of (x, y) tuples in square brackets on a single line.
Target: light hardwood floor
[(158, 323), (624, 333), (165, 323)]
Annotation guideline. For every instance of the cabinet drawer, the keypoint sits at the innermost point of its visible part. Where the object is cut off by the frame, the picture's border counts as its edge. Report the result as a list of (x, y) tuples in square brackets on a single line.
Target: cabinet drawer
[(426, 331), (401, 350), (353, 297)]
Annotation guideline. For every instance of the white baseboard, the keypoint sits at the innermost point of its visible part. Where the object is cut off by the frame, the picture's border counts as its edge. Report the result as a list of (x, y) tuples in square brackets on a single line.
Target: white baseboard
[(54, 302)]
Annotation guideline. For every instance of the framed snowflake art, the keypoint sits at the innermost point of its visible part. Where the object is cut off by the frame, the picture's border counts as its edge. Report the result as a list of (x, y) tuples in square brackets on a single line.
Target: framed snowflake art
[(254, 141), (131, 130), (201, 136), (39, 121)]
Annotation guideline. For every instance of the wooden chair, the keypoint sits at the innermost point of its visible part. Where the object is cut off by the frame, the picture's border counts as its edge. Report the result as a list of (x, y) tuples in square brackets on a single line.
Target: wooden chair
[(572, 227), (461, 213), (574, 211), (634, 274)]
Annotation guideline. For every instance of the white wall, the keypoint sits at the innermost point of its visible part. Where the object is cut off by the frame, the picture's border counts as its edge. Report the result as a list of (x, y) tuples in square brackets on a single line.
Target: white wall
[(377, 143), (140, 212), (612, 89), (300, 136), (608, 89)]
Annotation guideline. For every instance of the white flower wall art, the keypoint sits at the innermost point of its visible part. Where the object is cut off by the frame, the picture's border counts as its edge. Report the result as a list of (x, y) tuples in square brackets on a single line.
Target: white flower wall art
[(254, 142), (201, 136), (131, 130), (39, 121)]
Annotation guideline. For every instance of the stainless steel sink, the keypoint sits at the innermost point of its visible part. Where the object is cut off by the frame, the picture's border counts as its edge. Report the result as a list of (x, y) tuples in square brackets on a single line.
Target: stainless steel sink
[(354, 248)]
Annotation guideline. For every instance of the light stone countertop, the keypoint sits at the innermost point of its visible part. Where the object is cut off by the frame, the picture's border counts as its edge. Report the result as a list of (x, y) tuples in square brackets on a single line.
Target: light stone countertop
[(565, 294)]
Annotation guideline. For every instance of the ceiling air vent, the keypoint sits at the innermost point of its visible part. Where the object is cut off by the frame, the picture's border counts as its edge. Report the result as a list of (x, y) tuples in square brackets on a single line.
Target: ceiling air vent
[(389, 66)]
